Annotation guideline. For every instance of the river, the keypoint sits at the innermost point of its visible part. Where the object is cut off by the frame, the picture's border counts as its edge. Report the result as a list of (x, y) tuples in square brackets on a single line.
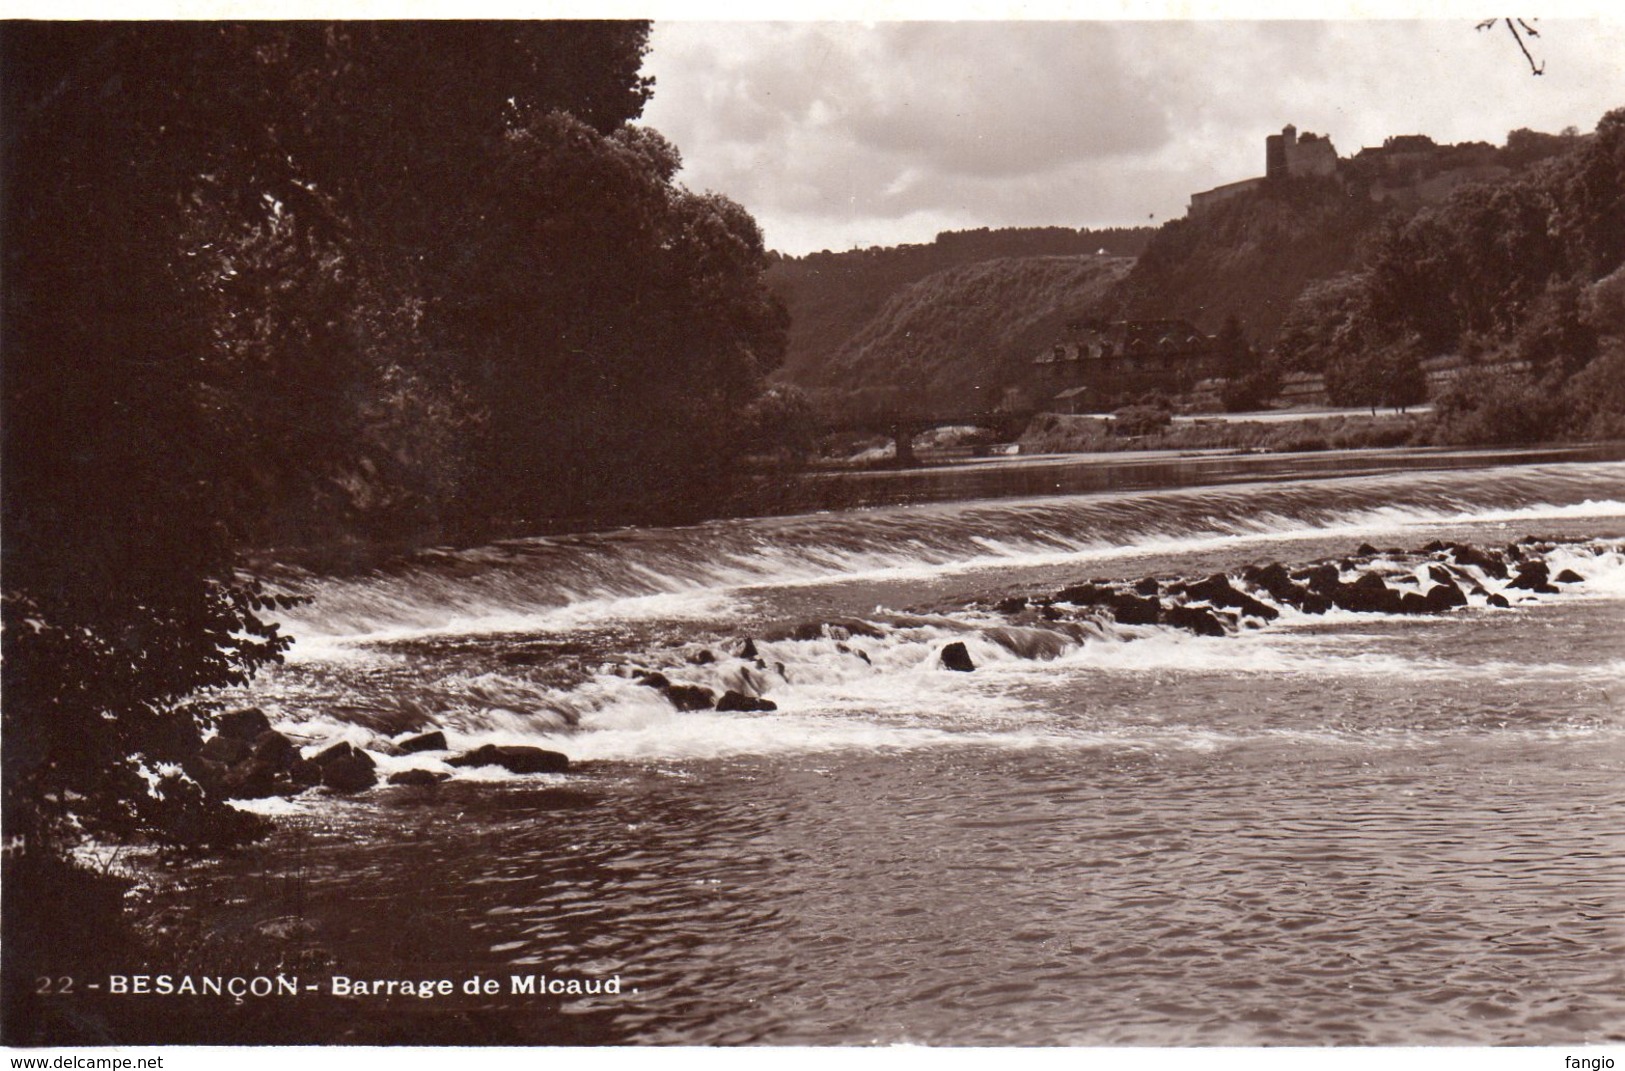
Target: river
[(1343, 828)]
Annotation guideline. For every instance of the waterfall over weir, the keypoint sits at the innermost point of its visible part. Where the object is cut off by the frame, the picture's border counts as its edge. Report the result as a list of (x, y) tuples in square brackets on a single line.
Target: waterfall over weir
[(1299, 824)]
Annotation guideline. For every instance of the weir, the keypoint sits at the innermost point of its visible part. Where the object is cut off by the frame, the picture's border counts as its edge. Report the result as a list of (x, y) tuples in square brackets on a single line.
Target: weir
[(567, 583), (1116, 720)]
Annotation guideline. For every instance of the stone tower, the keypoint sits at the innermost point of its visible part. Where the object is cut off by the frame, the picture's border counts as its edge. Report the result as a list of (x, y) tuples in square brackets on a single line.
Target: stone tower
[(1278, 152)]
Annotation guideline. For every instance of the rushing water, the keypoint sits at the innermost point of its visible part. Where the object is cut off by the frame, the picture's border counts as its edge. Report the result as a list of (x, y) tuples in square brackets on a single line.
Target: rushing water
[(1349, 828)]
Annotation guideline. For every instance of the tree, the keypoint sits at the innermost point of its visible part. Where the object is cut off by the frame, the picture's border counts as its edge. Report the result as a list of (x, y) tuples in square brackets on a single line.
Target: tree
[(1384, 375), (1319, 326), (1496, 255), (1250, 380), (255, 295), (1555, 338), (782, 425), (120, 594), (268, 283), (1234, 350), (619, 321), (1483, 406), (1594, 399)]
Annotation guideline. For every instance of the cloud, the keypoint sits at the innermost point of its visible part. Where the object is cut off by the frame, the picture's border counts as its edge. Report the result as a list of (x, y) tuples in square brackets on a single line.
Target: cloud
[(843, 133), (1010, 99)]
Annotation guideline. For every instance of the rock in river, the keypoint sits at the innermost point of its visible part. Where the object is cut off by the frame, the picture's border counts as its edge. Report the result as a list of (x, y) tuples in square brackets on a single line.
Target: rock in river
[(430, 741), (245, 725), (350, 773), (957, 658), (417, 777), (732, 701), (515, 759)]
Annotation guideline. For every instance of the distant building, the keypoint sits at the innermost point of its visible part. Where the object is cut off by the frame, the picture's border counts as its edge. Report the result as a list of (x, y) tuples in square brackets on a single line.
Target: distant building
[(1201, 202), (1408, 169), (1095, 363), (1286, 155), (1412, 169)]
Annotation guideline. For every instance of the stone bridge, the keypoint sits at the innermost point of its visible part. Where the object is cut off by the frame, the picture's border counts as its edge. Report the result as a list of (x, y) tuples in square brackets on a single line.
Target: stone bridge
[(902, 427)]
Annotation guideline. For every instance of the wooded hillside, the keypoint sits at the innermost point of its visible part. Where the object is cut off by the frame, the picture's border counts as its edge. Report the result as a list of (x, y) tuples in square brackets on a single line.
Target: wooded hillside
[(956, 339), (833, 296)]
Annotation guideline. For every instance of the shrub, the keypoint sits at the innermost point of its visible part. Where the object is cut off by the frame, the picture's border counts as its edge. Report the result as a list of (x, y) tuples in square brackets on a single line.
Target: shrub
[(1137, 420), (1595, 397), (1497, 407)]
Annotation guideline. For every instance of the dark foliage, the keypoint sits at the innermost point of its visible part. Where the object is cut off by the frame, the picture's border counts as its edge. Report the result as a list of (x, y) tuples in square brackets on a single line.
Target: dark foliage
[(1250, 379), (120, 599), (281, 283), (1497, 256), (1325, 323), (1498, 407), (1387, 376), (614, 326), (1136, 420), (782, 425), (1251, 256)]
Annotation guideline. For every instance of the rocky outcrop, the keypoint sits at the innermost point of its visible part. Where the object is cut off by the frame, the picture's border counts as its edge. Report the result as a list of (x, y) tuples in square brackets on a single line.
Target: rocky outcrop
[(275, 750), (1368, 594), (246, 725), (685, 697), (430, 741), (229, 767), (1030, 643), (350, 774), (227, 750), (1490, 563), (957, 658), (1217, 591), (841, 628), (733, 701), (418, 777), (1438, 578), (1194, 619), (1128, 607), (1532, 576), (346, 768), (691, 697), (513, 758), (303, 773)]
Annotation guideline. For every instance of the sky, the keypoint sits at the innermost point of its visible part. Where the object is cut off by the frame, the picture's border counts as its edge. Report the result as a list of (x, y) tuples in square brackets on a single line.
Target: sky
[(844, 134), (837, 133)]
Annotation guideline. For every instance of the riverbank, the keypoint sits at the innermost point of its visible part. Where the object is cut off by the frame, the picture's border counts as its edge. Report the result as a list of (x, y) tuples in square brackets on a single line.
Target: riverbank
[(1274, 433)]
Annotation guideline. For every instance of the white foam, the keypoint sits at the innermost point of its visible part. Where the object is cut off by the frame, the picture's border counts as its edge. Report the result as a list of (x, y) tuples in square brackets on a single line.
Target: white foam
[(704, 593), (278, 806), (693, 605), (890, 691), (900, 696)]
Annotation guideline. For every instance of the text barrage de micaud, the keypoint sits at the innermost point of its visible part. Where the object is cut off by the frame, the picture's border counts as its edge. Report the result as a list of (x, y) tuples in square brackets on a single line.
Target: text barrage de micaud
[(517, 985)]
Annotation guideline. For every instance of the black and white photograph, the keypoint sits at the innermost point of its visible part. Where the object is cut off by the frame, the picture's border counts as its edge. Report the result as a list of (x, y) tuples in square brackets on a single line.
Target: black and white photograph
[(974, 533)]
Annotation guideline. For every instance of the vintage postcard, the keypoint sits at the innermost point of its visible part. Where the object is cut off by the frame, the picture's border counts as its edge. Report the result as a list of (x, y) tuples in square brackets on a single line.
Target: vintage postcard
[(1033, 533)]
